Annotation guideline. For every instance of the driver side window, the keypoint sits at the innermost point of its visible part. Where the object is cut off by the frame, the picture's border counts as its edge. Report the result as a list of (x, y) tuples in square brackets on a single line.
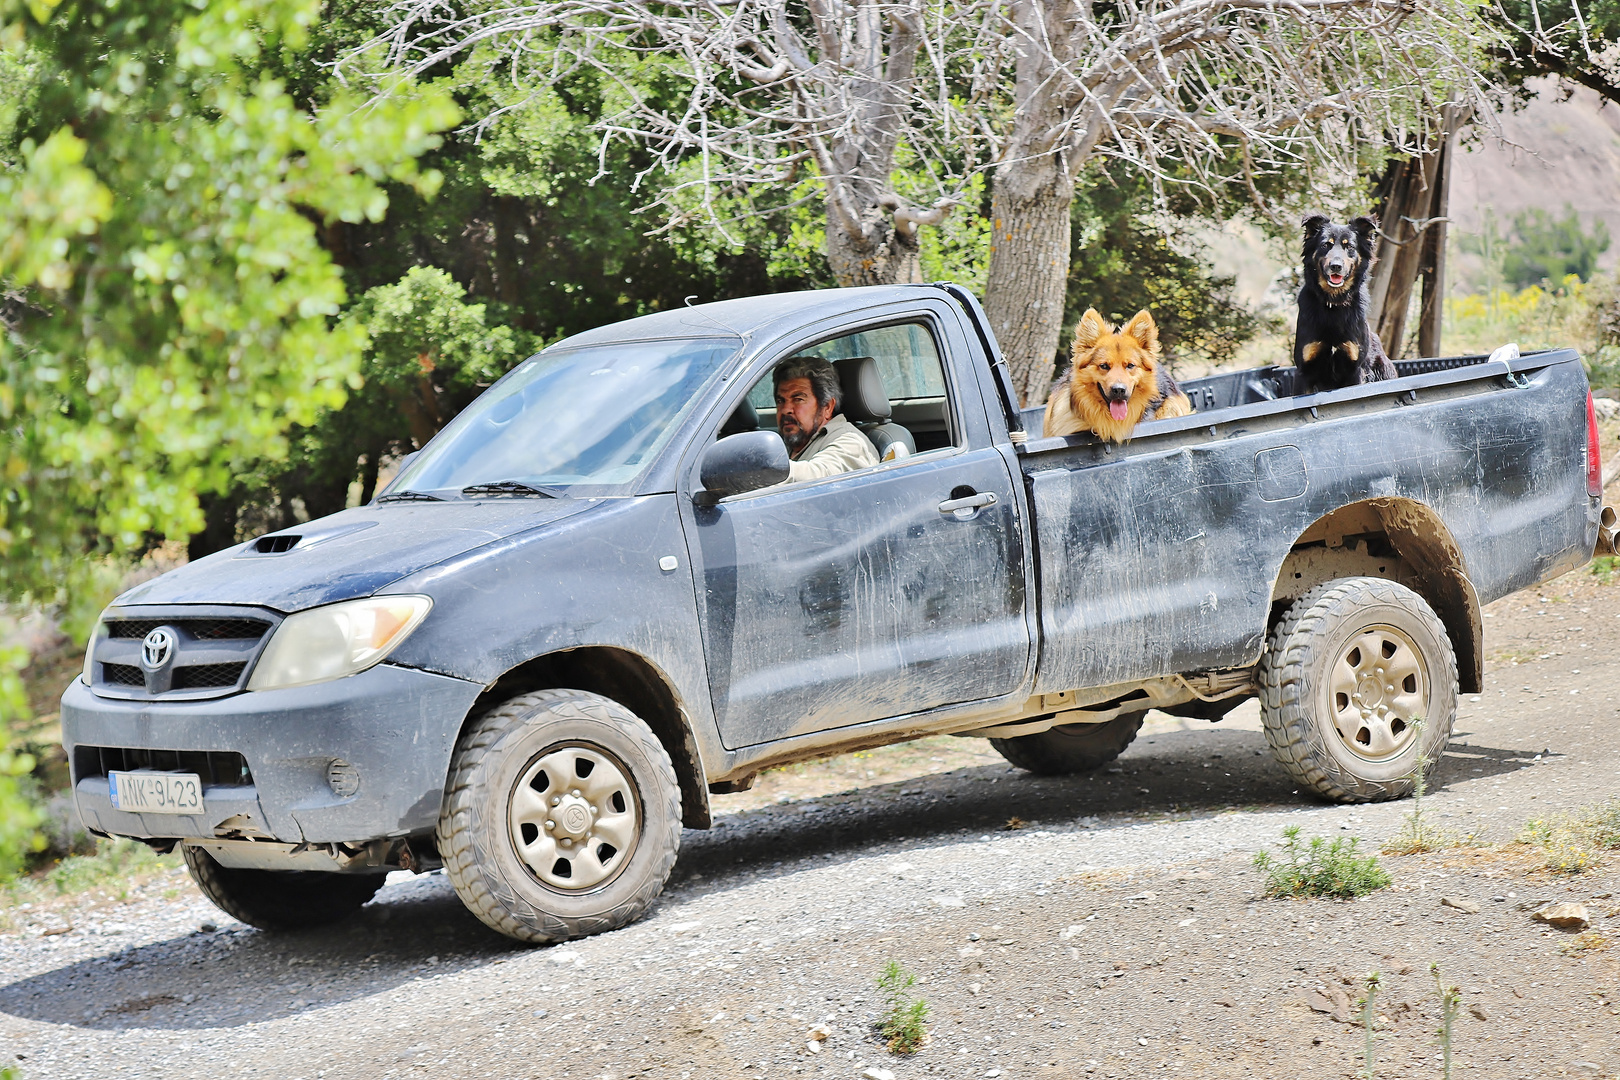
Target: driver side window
[(899, 398)]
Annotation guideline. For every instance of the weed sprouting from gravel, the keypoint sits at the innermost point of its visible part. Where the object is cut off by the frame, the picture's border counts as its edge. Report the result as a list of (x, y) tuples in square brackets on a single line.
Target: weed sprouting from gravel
[(1417, 835), (1604, 822), (1604, 568), (903, 1026), (1369, 1013), (1575, 843), (1320, 868), (1589, 942), (1450, 1006), (115, 868)]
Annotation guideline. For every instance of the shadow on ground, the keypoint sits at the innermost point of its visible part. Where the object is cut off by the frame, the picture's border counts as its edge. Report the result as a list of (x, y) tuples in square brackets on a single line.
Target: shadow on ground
[(418, 929)]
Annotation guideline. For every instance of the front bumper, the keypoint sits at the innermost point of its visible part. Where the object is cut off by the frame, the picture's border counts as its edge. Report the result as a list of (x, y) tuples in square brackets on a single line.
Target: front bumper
[(397, 726)]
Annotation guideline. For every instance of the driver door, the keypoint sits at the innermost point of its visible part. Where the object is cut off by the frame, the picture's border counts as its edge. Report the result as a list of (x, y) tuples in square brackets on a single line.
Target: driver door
[(864, 596)]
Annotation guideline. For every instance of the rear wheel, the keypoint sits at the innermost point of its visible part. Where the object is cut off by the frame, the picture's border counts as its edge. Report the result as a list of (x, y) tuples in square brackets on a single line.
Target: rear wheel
[(280, 899), (1071, 748), (562, 816), (1357, 687)]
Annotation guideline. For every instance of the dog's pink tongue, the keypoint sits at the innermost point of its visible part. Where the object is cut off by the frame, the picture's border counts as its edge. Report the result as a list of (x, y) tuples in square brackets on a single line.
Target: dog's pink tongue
[(1116, 409)]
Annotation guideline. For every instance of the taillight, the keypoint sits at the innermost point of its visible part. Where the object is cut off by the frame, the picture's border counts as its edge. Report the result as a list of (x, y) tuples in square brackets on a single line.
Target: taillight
[(1594, 452)]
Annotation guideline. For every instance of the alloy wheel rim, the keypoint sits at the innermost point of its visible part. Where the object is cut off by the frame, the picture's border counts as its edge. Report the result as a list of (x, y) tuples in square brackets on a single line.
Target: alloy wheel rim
[(1377, 690), (574, 817)]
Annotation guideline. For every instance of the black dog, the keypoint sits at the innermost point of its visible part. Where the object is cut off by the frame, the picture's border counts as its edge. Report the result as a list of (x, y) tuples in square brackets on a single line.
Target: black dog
[(1334, 346)]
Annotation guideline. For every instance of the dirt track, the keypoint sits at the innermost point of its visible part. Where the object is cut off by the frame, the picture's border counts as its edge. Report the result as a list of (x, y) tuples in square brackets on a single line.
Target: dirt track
[(1115, 934)]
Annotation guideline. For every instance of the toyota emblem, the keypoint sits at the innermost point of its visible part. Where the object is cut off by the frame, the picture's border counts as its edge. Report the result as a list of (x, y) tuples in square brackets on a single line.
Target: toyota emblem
[(157, 649)]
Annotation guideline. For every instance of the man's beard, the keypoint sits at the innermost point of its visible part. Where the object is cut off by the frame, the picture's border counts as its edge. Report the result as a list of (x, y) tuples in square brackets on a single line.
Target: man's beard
[(797, 438)]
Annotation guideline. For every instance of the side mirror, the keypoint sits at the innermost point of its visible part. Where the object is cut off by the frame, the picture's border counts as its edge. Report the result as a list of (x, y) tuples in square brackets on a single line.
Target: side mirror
[(739, 463)]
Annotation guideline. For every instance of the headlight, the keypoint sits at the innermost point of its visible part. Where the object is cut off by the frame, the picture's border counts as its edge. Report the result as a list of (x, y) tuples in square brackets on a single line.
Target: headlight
[(340, 639), (90, 650)]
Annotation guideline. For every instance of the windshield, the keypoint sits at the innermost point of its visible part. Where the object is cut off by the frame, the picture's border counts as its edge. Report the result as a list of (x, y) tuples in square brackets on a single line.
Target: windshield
[(593, 417)]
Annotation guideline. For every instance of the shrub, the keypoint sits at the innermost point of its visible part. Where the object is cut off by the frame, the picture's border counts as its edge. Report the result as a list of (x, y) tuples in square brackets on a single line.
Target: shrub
[(1320, 869), (1545, 248), (19, 817), (113, 864)]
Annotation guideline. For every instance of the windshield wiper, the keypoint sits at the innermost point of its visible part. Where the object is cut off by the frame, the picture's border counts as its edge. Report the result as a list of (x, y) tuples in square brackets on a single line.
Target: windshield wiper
[(515, 488), (409, 496)]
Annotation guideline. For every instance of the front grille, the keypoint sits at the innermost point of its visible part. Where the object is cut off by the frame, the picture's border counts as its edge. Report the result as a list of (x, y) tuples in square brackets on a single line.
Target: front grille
[(213, 649), (201, 676), (201, 629), (122, 675), (217, 768)]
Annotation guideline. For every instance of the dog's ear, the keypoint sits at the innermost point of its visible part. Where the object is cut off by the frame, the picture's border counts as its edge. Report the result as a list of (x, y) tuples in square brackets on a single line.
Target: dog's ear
[(1366, 230), (1313, 226), (1088, 330), (1142, 328)]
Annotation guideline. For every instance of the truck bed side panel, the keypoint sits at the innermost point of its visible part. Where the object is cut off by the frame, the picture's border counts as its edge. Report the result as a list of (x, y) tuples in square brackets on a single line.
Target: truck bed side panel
[(1160, 556)]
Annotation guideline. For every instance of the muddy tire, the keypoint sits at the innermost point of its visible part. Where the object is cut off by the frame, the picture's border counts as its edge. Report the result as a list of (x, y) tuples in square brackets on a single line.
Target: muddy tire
[(561, 818), (1071, 748), (280, 899), (1349, 672)]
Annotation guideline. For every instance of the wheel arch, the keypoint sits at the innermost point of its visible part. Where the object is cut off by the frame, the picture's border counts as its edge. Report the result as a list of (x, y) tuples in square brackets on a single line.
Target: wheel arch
[(1400, 539), (634, 682)]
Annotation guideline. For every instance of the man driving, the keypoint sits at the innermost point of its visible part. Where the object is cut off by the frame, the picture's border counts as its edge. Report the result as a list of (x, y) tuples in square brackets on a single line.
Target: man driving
[(820, 441)]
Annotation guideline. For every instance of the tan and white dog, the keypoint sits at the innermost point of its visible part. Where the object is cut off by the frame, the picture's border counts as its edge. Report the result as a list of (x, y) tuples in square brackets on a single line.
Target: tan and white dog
[(1114, 381)]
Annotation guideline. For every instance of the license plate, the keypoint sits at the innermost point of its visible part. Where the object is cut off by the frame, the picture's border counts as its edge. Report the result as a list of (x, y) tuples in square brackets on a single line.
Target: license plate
[(156, 792)]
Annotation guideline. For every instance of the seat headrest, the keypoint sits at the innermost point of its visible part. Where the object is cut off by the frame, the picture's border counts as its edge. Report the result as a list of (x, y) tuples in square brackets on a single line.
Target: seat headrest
[(742, 419), (865, 400)]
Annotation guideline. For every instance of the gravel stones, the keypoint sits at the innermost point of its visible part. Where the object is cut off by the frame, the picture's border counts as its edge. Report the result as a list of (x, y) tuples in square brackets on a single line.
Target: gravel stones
[(1565, 916)]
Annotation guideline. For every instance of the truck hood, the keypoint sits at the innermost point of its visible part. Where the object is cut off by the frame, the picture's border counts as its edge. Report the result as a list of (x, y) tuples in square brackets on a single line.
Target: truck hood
[(348, 555)]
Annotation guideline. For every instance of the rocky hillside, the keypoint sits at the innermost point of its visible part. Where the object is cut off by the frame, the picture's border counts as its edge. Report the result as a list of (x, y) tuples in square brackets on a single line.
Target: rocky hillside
[(1555, 150)]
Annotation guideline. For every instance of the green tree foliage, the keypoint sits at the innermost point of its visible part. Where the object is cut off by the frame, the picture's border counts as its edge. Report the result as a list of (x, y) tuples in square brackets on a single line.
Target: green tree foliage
[(431, 353), (1543, 247), (19, 817), (1578, 42), (1124, 259), (168, 309), (541, 233), (163, 214)]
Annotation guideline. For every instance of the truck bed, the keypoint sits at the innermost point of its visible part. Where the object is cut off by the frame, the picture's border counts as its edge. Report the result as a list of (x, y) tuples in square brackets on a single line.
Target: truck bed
[(1165, 554)]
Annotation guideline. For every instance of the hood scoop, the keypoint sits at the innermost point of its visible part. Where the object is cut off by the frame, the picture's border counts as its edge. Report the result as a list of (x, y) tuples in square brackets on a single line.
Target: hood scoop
[(281, 543), (275, 545)]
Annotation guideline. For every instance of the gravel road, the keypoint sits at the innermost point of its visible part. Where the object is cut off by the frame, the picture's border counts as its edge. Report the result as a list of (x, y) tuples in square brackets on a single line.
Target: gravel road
[(1116, 932)]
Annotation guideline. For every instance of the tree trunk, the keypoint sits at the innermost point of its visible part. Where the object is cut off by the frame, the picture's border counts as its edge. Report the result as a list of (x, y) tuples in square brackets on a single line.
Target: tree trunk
[(1029, 270), (1413, 199), (219, 524), (1030, 198), (1400, 251), (1434, 259), (878, 254), (368, 473)]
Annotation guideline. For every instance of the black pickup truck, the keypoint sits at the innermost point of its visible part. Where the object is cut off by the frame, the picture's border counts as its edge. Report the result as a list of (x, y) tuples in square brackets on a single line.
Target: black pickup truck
[(590, 602)]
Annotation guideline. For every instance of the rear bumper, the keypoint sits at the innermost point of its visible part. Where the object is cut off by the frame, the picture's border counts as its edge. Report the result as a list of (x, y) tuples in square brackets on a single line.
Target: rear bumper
[(397, 726)]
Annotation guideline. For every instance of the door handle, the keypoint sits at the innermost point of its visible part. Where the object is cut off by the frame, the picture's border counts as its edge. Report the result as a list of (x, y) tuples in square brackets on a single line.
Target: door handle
[(970, 502)]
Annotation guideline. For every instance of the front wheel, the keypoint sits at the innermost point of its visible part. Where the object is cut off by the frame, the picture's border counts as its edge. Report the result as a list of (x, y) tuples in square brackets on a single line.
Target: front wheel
[(1358, 689), (562, 816), (1071, 748), (280, 899)]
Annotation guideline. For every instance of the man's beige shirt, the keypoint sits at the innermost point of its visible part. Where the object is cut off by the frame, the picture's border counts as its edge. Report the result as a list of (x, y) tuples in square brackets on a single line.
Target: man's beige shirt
[(839, 447)]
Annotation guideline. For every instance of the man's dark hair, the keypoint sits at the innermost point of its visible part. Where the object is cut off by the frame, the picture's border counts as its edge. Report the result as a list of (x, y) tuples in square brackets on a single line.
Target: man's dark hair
[(823, 378)]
